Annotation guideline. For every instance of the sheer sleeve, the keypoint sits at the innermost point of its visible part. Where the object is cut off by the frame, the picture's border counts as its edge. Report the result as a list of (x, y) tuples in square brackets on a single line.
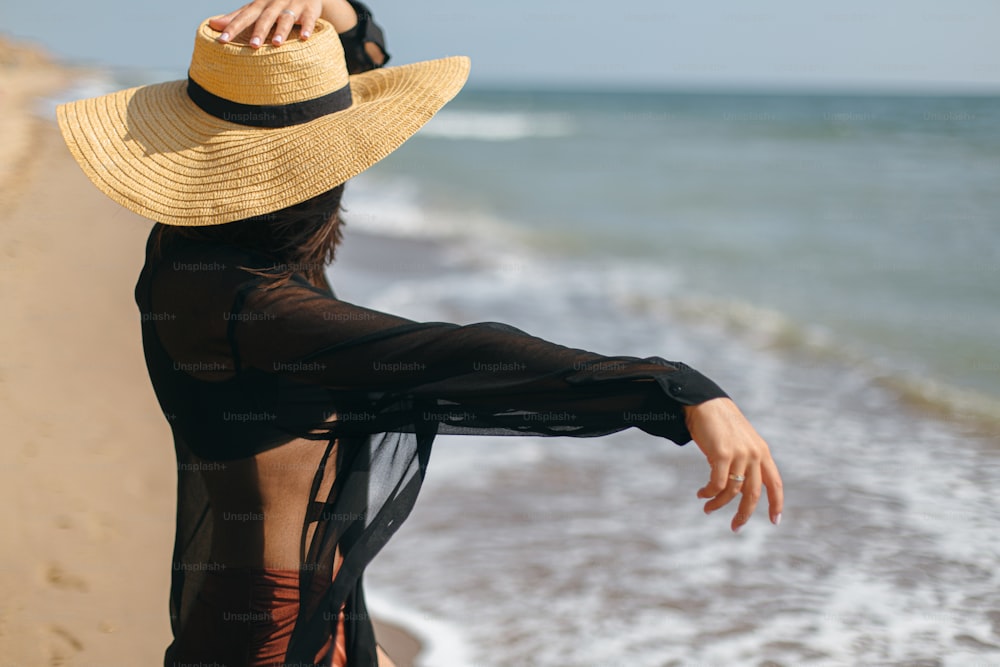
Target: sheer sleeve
[(486, 376), (354, 40)]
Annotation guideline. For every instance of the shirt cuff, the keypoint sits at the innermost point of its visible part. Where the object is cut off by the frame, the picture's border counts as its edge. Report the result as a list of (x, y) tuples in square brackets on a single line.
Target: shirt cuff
[(687, 386), (354, 40)]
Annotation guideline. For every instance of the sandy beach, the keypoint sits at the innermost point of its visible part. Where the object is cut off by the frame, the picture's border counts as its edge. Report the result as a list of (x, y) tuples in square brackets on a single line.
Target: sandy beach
[(87, 488)]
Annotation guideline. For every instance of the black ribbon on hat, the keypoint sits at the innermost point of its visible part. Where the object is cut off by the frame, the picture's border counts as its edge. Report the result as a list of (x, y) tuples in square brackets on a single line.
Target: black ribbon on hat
[(269, 115)]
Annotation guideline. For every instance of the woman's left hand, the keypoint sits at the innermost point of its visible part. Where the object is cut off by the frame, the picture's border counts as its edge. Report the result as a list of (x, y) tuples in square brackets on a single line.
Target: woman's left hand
[(740, 460), (281, 16)]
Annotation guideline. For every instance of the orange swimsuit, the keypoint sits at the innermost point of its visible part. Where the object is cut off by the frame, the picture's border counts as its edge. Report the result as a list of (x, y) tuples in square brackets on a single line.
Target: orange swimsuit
[(252, 611)]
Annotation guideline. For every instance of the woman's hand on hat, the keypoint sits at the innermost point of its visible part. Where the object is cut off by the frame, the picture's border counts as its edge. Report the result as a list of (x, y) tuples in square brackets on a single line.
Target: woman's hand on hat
[(739, 458), (280, 16)]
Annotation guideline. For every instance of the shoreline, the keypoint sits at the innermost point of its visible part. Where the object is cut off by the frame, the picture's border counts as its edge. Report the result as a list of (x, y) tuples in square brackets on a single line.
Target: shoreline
[(87, 494)]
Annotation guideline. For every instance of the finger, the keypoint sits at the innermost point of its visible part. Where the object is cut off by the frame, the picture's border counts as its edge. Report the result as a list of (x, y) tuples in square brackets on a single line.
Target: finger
[(307, 21), (718, 480), (775, 490), (751, 494), (286, 20), (221, 21), (731, 490), (241, 20), (723, 499), (268, 17)]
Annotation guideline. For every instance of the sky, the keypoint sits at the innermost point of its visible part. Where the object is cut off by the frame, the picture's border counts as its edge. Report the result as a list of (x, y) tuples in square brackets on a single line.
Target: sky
[(867, 45)]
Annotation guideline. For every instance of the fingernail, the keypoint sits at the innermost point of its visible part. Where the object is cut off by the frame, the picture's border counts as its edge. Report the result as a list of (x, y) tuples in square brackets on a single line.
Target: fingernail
[(277, 39), (708, 511), (304, 34), (255, 41), (777, 519), (737, 529), (224, 37)]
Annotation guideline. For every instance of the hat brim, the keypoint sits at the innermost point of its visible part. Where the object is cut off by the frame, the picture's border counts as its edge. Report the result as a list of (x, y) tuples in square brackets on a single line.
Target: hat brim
[(152, 150)]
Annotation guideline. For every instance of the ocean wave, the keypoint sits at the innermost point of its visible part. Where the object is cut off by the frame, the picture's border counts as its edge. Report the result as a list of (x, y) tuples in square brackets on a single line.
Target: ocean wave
[(395, 206), (497, 125), (966, 407), (91, 83), (442, 643), (776, 332)]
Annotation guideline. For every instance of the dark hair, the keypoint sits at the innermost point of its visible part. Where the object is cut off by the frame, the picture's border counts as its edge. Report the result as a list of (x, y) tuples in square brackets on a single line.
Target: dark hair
[(302, 238)]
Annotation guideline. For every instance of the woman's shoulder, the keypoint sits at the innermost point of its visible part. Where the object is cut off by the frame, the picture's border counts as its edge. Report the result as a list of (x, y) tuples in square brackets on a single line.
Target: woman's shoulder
[(183, 271)]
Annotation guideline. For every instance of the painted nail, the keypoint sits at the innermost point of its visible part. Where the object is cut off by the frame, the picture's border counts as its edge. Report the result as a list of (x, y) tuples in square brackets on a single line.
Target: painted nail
[(304, 34), (277, 39), (224, 37), (255, 41), (737, 529), (777, 519)]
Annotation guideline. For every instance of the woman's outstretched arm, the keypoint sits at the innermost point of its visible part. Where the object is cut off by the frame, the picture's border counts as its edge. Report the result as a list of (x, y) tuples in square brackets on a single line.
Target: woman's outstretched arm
[(494, 377)]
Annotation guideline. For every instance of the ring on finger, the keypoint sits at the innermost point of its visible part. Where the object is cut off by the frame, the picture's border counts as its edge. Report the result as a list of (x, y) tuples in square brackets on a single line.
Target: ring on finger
[(289, 12), (737, 478)]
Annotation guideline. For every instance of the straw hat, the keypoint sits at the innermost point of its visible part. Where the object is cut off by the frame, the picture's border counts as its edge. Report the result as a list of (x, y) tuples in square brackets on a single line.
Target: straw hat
[(252, 130)]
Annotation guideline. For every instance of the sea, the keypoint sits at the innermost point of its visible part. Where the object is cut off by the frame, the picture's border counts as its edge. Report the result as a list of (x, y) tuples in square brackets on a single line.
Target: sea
[(831, 259)]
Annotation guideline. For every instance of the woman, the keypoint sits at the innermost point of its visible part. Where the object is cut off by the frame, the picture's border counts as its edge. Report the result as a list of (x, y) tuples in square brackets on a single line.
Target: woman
[(303, 424)]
